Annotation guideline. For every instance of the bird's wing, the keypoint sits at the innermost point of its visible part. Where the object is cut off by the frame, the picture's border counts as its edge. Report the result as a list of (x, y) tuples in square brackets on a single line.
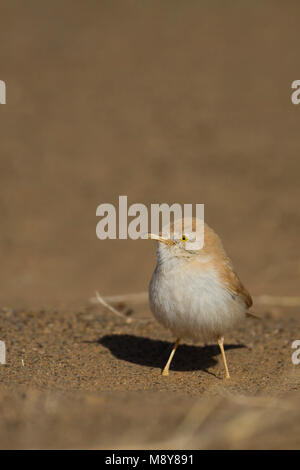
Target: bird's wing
[(234, 285)]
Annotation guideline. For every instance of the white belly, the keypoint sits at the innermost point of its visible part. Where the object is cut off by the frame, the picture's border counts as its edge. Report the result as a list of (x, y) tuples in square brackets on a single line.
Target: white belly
[(194, 306)]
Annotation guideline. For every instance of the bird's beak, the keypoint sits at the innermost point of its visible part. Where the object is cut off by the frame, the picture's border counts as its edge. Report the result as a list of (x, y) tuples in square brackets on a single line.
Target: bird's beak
[(153, 236)]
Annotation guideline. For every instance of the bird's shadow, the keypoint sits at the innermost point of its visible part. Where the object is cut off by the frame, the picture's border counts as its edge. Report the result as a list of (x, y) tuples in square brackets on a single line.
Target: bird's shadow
[(154, 353)]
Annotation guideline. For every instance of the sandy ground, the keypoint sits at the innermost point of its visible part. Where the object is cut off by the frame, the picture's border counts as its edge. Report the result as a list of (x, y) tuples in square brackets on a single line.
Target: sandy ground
[(91, 380), (168, 101)]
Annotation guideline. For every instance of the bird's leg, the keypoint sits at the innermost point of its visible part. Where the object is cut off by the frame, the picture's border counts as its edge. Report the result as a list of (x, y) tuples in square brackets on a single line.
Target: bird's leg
[(220, 343), (167, 366)]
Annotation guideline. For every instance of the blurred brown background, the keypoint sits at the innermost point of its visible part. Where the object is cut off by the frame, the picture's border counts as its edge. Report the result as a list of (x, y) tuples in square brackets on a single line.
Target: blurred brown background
[(167, 101)]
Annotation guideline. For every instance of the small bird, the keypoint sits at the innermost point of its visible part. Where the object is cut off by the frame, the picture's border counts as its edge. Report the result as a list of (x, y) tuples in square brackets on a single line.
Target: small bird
[(195, 292)]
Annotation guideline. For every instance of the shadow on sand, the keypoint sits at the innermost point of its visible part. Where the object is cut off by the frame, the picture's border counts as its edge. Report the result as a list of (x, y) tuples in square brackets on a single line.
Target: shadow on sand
[(155, 353)]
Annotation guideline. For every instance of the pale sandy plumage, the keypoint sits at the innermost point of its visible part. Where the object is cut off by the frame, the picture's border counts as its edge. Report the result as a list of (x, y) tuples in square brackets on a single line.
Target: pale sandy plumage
[(196, 293)]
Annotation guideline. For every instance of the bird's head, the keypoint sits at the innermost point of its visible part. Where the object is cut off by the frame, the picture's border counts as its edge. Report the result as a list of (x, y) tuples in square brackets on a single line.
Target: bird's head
[(182, 238)]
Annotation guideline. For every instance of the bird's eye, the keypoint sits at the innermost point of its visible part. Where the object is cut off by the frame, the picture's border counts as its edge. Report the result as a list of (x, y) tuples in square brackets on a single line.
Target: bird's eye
[(184, 238)]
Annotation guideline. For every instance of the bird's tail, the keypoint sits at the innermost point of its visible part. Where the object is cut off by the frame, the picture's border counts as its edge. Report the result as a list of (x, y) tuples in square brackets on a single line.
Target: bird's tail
[(252, 315)]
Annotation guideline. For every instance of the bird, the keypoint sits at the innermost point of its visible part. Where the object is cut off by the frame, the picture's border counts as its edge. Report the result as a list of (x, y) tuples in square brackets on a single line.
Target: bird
[(194, 292)]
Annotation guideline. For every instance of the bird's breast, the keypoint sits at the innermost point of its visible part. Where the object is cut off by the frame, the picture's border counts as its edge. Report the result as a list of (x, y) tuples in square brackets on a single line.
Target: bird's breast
[(183, 289), (192, 300)]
